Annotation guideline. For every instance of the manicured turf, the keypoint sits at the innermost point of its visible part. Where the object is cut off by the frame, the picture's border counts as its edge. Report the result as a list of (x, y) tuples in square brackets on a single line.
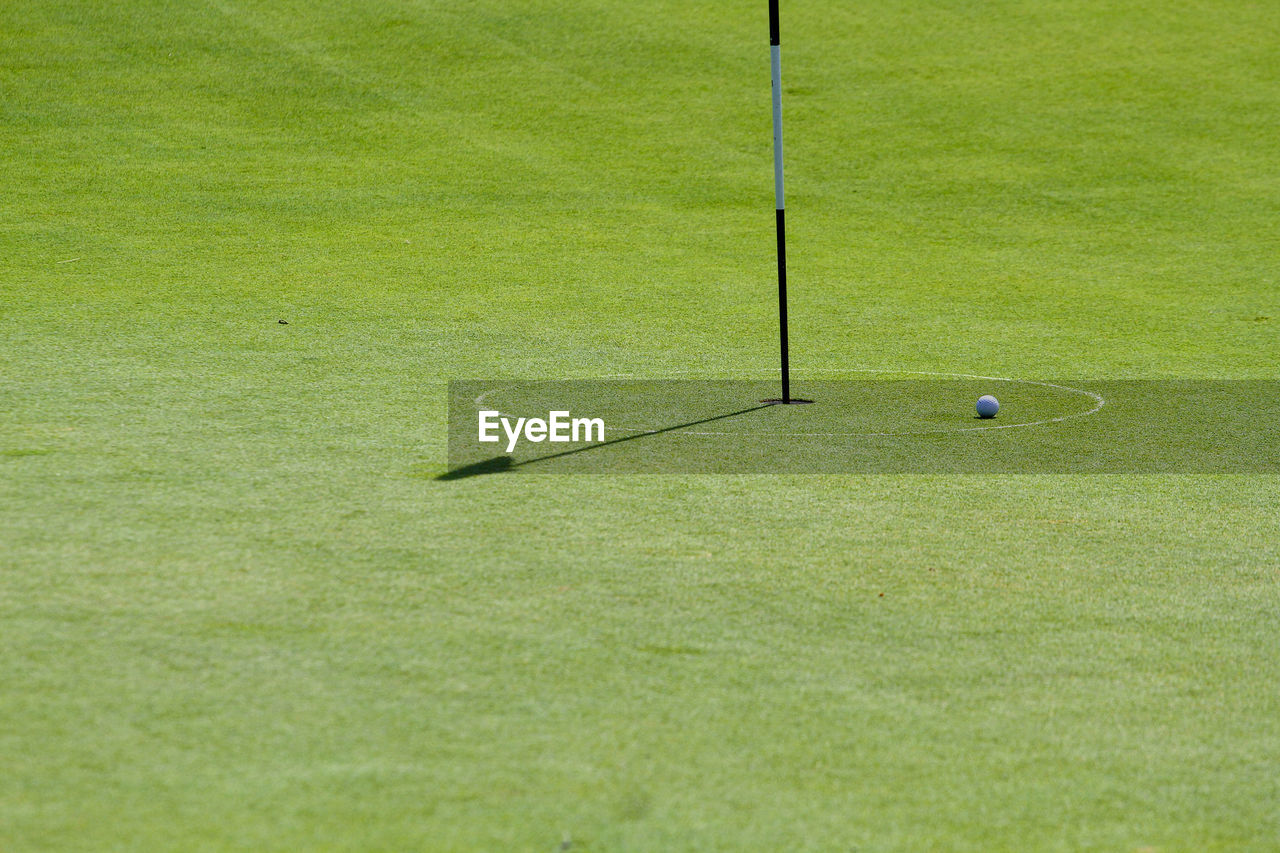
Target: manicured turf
[(240, 611)]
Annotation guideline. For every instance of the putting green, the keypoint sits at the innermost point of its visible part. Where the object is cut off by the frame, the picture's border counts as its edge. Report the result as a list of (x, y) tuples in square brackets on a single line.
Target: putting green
[(242, 609)]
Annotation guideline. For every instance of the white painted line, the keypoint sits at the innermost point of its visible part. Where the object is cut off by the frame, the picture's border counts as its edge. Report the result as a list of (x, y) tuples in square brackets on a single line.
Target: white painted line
[(1097, 398)]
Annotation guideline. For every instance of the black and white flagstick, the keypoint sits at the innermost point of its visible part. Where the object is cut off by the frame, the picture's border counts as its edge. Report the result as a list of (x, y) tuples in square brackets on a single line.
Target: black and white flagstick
[(775, 55)]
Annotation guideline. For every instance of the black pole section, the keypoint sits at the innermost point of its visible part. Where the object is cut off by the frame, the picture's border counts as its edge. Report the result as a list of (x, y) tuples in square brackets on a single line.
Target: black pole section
[(782, 303), (773, 22)]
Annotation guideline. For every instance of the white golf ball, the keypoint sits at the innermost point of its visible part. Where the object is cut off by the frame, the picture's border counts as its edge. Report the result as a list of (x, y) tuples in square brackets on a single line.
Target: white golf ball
[(988, 406)]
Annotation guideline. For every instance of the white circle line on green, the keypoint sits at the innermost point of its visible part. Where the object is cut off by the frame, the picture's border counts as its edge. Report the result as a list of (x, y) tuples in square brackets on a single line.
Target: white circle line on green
[(1098, 399)]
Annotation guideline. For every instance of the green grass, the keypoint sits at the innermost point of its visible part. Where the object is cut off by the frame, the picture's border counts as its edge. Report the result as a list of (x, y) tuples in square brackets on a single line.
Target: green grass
[(240, 612)]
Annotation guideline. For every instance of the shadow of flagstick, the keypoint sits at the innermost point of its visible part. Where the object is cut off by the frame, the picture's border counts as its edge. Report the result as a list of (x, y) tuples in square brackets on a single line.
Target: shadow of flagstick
[(499, 464)]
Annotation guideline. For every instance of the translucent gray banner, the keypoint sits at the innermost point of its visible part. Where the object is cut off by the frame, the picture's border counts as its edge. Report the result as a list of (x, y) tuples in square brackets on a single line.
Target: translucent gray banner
[(865, 426)]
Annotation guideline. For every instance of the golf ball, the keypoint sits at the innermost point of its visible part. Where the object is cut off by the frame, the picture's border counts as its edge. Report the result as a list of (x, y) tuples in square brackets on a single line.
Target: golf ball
[(988, 406)]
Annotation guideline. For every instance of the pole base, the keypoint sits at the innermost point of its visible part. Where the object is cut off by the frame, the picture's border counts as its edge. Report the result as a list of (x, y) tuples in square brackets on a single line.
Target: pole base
[(779, 401)]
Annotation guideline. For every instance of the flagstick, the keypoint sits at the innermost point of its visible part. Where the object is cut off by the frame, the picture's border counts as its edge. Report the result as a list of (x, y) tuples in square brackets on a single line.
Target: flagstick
[(775, 53)]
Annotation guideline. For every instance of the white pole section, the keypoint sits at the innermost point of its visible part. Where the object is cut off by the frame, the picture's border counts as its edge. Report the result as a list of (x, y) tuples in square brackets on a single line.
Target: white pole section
[(779, 195)]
